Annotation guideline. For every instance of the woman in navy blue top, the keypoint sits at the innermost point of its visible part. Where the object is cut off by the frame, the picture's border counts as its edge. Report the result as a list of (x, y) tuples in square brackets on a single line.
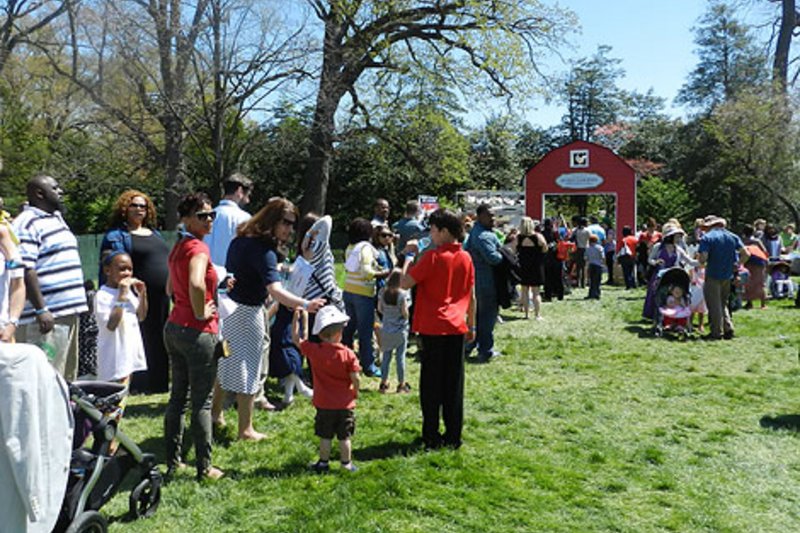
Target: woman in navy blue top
[(253, 260)]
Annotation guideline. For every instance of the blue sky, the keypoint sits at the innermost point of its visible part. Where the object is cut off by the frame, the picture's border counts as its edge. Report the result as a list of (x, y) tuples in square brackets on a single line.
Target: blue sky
[(653, 38)]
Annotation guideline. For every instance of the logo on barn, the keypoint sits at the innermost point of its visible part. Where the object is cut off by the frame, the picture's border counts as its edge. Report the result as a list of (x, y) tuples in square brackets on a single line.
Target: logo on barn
[(579, 159)]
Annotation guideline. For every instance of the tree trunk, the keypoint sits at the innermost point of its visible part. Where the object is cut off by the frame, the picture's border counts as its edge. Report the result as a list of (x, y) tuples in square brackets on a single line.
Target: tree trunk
[(174, 179), (780, 65), (320, 150)]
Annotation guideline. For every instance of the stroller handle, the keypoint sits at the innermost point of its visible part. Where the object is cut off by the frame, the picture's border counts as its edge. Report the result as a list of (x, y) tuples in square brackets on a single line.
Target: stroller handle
[(101, 394)]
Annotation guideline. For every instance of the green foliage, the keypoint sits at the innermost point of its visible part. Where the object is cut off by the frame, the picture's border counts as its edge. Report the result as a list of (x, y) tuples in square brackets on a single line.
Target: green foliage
[(730, 60), (759, 140), (277, 157), (418, 152), (664, 199), (494, 162), (24, 147)]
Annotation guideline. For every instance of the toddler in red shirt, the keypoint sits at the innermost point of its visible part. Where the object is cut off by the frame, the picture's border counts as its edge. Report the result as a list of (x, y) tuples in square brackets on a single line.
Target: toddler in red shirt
[(335, 369)]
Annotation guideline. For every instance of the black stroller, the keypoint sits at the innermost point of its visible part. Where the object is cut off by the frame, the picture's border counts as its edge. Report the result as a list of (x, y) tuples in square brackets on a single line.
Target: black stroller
[(678, 319), (97, 473)]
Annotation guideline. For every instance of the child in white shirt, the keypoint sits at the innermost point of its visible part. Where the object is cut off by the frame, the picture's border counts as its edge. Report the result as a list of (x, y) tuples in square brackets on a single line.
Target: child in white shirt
[(119, 305)]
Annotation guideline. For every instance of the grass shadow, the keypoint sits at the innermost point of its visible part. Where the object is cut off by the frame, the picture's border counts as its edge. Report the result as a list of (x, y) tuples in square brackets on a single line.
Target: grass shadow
[(789, 422), (641, 331), (389, 449)]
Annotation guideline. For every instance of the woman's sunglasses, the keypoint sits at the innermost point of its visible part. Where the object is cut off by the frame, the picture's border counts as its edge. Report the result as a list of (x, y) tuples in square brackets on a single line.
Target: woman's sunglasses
[(138, 206), (386, 235), (291, 223), (206, 215)]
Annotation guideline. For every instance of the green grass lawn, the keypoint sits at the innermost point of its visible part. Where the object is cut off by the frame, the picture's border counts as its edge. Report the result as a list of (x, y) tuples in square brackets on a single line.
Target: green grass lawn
[(587, 424)]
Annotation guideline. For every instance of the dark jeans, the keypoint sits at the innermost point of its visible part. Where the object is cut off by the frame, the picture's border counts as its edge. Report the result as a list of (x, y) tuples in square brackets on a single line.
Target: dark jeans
[(361, 310), (628, 264), (595, 277), (553, 279), (610, 267), (580, 266), (486, 319), (194, 369), (441, 389)]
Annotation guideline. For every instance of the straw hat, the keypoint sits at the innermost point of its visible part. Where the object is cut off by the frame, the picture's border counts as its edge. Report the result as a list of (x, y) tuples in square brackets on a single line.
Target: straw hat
[(714, 220)]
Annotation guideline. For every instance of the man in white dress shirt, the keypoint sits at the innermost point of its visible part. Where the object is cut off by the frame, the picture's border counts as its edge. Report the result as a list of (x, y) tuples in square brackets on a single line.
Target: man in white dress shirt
[(237, 188)]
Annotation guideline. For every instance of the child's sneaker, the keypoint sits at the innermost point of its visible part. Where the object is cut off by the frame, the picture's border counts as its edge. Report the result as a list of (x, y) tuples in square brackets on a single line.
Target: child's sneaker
[(320, 467), (350, 467), (403, 388)]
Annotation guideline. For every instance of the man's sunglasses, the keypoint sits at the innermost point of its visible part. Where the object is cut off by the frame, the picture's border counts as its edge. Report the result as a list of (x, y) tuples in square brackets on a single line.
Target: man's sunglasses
[(206, 215)]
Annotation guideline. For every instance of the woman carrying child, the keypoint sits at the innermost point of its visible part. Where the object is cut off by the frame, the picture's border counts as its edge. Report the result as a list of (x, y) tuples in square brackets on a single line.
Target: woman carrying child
[(393, 304), (119, 305)]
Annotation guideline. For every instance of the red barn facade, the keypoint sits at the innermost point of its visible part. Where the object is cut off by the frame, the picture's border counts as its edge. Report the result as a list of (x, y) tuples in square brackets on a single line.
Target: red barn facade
[(583, 168)]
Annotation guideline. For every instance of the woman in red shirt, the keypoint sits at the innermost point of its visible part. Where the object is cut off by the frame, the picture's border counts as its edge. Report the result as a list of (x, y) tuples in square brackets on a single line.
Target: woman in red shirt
[(190, 335)]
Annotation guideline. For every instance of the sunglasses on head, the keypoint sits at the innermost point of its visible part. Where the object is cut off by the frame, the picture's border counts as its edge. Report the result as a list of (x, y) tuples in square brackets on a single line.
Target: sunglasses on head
[(206, 215), (138, 206)]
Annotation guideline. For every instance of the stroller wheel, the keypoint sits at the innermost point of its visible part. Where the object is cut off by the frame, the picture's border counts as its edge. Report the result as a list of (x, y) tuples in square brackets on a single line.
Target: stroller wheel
[(88, 522), (145, 498)]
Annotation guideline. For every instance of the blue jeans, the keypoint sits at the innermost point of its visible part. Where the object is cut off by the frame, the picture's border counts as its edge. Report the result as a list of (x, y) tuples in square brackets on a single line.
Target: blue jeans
[(400, 351), (361, 310), (486, 319)]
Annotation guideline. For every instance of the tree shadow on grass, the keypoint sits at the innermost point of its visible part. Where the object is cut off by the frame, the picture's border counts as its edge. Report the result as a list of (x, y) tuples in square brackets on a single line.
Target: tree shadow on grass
[(789, 422)]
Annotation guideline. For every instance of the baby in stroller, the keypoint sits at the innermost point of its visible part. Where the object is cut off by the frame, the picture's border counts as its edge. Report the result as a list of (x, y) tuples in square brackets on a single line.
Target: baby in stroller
[(677, 310), (673, 303), (781, 284)]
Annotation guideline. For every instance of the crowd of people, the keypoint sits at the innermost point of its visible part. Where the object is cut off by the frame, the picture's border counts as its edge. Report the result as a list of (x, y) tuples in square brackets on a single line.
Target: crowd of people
[(213, 316)]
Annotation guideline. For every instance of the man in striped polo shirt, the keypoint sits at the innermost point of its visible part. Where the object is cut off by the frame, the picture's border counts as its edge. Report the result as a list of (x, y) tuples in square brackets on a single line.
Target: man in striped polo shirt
[(53, 275)]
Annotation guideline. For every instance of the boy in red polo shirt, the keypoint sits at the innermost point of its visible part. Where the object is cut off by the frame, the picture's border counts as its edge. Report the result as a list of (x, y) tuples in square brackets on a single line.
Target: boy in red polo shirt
[(335, 369), (444, 315)]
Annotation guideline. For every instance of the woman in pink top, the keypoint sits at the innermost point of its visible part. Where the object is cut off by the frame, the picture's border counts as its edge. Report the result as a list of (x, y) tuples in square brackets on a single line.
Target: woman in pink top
[(190, 335)]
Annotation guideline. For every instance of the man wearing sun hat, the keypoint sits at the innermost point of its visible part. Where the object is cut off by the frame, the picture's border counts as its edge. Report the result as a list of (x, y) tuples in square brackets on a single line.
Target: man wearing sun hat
[(718, 252)]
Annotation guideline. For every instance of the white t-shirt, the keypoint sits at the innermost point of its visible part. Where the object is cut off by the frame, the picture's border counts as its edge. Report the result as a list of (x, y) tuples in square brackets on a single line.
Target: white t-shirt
[(120, 352)]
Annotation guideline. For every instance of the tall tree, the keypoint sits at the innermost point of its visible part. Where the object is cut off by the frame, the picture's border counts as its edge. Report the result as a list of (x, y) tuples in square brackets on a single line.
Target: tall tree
[(591, 94), (461, 40), (237, 66), (760, 142), (21, 19), (788, 27), (729, 59)]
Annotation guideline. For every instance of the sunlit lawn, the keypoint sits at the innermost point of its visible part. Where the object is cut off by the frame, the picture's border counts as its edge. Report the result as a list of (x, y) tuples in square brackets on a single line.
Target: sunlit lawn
[(587, 424)]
